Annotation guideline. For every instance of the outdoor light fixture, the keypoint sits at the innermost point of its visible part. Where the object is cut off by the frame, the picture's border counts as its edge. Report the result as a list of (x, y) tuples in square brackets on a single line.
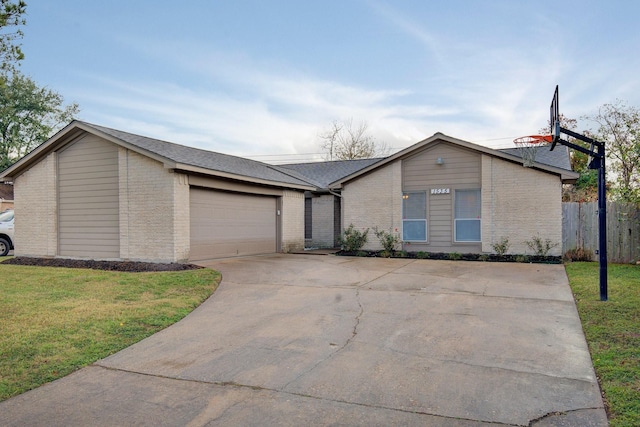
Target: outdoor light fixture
[(439, 161)]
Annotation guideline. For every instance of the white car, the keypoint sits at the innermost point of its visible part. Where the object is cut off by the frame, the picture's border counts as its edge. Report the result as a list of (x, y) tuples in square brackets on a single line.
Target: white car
[(6, 232)]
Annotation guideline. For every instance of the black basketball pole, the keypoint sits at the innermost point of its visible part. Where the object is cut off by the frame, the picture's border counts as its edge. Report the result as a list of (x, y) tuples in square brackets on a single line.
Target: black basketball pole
[(597, 162), (602, 224)]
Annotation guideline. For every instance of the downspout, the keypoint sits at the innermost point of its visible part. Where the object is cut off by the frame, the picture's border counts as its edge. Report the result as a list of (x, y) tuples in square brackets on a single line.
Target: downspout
[(341, 211)]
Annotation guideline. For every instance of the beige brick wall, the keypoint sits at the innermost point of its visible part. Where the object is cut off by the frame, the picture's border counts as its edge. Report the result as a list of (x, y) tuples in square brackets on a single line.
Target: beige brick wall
[(154, 210), (519, 203), (322, 224), (374, 200), (292, 217), (181, 218), (36, 225)]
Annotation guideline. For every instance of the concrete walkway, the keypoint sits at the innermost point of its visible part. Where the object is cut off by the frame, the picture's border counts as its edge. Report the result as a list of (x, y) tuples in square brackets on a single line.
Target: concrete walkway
[(322, 340)]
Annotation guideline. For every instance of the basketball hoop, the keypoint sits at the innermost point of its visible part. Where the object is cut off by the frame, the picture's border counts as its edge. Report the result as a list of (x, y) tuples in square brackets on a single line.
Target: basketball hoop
[(529, 145)]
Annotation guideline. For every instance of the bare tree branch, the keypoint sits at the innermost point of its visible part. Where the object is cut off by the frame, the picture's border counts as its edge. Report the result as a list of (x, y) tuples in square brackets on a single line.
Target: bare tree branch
[(346, 141)]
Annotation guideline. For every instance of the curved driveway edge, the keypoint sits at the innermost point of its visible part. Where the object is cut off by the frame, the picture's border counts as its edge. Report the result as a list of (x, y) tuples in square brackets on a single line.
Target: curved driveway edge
[(324, 340)]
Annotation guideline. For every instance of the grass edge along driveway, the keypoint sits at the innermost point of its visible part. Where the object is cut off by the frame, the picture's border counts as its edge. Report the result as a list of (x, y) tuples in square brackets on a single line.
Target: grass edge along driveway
[(612, 330), (54, 321)]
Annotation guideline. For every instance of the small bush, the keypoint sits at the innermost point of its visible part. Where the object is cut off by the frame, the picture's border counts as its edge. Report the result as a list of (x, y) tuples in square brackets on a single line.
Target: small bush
[(388, 239), (422, 255), (483, 257), (540, 247), (579, 254), (522, 258), (502, 246), (353, 240), (401, 254), (385, 254), (455, 256)]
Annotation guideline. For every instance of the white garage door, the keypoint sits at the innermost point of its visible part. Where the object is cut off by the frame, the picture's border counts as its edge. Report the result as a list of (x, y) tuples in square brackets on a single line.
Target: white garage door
[(231, 224)]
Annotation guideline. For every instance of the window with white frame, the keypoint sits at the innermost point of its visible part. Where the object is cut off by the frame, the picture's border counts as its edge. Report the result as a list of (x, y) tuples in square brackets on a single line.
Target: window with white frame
[(414, 216), (467, 215)]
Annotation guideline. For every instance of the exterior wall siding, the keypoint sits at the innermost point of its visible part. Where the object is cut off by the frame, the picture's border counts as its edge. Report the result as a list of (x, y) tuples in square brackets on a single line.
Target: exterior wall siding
[(461, 170), (88, 196), (374, 200), (519, 203), (36, 224), (292, 218), (322, 232)]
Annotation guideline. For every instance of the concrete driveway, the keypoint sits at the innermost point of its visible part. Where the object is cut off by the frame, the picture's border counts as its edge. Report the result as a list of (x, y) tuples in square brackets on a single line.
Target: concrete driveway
[(324, 340)]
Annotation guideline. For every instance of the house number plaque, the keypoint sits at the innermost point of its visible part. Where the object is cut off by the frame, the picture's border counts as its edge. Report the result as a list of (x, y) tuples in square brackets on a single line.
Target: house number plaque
[(439, 191)]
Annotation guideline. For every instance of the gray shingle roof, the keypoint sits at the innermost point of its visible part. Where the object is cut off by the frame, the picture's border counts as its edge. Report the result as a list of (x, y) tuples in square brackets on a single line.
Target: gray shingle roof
[(558, 158), (205, 159), (324, 173), (319, 174)]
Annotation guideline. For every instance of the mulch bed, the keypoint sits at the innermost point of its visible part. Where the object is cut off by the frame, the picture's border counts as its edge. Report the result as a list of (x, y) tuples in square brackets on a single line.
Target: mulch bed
[(458, 257), (127, 266)]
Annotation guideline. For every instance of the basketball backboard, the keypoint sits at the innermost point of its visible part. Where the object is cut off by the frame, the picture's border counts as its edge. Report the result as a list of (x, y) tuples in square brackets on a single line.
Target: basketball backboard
[(554, 119)]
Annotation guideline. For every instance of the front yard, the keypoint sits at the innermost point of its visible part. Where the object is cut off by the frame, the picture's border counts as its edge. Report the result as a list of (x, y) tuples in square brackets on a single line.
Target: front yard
[(612, 329), (57, 320)]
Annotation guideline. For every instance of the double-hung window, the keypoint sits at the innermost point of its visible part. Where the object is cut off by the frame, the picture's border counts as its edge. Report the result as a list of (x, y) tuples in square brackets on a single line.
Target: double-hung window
[(467, 216), (414, 216)]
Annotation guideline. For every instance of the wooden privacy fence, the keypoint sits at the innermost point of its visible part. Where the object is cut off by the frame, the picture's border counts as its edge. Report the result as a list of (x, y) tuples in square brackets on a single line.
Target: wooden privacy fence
[(580, 230), (5, 204)]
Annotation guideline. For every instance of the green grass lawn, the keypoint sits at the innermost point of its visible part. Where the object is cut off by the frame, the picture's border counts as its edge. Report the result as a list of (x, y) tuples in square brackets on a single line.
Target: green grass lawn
[(54, 321), (612, 329)]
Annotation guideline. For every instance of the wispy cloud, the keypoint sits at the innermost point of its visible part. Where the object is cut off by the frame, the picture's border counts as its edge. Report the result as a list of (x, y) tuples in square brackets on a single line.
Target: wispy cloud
[(257, 109), (413, 29)]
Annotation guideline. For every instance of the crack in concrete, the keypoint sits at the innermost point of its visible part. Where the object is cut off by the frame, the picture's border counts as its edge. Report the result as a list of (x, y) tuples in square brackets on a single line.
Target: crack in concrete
[(535, 421), (354, 332), (308, 396), (475, 365)]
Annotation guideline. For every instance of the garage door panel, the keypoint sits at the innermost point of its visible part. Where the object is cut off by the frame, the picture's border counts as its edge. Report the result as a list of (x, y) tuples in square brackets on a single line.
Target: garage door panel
[(231, 224)]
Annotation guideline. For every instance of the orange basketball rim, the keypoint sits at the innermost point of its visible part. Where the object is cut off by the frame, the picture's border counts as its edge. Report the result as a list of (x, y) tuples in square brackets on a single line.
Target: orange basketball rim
[(529, 145)]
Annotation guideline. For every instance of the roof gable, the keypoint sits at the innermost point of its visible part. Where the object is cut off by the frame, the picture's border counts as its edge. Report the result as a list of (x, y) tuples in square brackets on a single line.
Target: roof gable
[(174, 156), (566, 174)]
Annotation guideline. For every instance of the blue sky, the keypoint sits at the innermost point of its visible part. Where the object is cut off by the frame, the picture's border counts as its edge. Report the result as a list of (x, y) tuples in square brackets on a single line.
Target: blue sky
[(264, 78)]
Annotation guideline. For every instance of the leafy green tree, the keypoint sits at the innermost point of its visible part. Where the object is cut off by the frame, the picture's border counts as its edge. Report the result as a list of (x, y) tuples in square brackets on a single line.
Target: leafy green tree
[(29, 115), (618, 126), (10, 21)]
